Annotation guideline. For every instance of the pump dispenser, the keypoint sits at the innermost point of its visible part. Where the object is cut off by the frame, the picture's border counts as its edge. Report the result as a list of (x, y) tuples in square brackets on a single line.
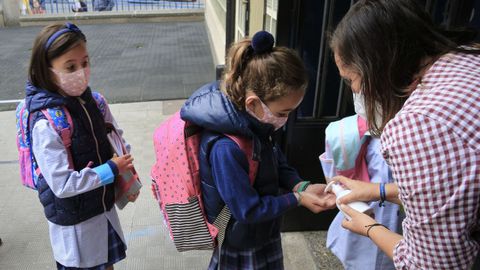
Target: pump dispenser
[(341, 191)]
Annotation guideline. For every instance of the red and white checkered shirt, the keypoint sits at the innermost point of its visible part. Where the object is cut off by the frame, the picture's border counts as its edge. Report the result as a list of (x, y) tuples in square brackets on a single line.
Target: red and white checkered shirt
[(433, 148)]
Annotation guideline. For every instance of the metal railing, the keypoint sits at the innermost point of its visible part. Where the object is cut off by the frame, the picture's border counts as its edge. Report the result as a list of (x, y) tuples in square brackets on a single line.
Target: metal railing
[(29, 7)]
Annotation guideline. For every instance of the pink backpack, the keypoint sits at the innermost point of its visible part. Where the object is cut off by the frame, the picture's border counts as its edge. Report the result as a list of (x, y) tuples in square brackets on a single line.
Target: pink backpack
[(176, 185), (60, 119)]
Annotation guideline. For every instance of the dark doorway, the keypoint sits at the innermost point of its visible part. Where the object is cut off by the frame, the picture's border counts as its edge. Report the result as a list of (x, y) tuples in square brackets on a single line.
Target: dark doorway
[(326, 99)]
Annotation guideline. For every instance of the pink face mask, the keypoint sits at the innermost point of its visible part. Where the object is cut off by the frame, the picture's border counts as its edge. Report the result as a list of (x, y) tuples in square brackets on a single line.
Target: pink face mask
[(75, 83), (268, 117)]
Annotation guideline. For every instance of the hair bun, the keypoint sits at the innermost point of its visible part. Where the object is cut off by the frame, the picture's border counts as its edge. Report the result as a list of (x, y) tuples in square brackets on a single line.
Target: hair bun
[(262, 42)]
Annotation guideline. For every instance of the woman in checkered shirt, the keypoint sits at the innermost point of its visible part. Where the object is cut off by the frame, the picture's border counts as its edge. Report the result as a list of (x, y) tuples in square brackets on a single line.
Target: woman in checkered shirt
[(421, 87)]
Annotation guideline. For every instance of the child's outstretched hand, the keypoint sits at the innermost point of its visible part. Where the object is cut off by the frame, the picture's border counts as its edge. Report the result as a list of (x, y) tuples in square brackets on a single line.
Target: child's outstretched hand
[(124, 163), (316, 199)]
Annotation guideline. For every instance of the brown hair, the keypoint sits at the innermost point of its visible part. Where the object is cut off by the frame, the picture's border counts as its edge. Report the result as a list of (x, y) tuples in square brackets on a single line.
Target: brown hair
[(269, 75), (386, 42), (39, 72)]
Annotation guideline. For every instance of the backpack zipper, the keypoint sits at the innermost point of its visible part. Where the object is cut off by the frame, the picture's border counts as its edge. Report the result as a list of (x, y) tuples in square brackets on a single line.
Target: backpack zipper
[(82, 102)]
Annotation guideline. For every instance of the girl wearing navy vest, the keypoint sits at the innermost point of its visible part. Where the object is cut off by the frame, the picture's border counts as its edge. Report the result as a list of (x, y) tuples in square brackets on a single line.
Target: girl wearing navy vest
[(262, 84), (85, 231)]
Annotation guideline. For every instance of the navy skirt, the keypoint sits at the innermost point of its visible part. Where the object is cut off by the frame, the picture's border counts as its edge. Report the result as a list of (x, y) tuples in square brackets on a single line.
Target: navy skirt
[(268, 256), (116, 252)]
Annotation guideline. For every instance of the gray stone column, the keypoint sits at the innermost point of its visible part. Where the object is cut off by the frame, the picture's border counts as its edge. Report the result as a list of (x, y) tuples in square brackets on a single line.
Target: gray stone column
[(9, 12)]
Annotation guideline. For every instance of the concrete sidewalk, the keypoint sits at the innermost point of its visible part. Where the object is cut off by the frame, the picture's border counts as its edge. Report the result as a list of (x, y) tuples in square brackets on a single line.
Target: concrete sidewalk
[(24, 229)]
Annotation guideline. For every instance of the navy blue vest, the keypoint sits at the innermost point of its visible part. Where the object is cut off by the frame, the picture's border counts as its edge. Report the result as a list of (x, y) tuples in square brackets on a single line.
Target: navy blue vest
[(89, 131), (209, 108), (241, 235)]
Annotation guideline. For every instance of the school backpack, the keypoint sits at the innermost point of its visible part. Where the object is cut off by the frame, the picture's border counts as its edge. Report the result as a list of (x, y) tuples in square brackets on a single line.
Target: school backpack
[(60, 119), (176, 185), (347, 141)]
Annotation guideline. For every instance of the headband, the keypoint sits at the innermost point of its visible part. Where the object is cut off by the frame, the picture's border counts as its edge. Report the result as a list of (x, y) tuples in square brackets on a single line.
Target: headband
[(69, 27)]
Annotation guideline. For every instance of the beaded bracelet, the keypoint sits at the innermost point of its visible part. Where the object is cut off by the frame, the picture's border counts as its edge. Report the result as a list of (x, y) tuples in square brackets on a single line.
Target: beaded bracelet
[(383, 195), (373, 225)]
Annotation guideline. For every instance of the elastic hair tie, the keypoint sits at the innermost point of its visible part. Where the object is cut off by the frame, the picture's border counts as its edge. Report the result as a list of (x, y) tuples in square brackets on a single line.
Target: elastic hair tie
[(69, 27), (374, 225), (262, 42)]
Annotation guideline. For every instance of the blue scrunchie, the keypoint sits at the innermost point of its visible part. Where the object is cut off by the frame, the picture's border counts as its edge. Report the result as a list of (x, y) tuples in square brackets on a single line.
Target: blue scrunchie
[(262, 42)]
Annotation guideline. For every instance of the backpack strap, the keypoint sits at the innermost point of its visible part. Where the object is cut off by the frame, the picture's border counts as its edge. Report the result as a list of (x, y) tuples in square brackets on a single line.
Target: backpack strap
[(221, 222), (247, 147), (61, 120), (101, 102)]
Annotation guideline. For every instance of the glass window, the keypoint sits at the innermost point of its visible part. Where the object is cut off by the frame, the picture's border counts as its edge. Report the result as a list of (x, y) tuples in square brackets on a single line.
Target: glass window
[(241, 19), (271, 16), (324, 92)]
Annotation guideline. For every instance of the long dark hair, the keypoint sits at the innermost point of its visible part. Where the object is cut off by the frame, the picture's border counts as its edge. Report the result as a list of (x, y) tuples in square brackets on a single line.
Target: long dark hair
[(386, 42), (39, 72), (270, 75)]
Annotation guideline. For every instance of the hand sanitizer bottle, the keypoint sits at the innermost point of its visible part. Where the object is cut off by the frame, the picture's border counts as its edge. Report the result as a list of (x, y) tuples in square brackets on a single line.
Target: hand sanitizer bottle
[(341, 191)]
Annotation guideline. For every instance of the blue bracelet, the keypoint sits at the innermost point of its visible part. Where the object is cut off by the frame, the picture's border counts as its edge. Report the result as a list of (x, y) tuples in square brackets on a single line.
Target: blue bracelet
[(383, 196)]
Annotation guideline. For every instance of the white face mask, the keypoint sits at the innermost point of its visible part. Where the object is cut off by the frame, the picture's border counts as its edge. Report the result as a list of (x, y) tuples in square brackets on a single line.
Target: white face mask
[(268, 117), (75, 83), (359, 105)]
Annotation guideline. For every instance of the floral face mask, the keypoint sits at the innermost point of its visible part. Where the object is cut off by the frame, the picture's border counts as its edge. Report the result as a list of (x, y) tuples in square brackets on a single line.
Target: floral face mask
[(75, 83), (268, 117)]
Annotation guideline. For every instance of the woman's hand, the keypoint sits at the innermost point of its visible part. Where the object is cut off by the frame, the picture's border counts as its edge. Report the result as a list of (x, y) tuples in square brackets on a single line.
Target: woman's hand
[(361, 191), (359, 221), (366, 192), (124, 163)]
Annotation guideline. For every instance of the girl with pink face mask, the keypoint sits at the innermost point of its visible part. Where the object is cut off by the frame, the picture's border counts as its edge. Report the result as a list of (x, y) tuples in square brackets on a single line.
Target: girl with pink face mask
[(76, 182), (261, 86)]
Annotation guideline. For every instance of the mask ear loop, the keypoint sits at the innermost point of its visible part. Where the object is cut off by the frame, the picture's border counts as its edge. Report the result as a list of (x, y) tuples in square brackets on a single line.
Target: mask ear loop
[(252, 111)]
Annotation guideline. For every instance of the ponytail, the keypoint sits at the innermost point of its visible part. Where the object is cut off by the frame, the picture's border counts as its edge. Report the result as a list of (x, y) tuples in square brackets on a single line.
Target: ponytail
[(255, 65)]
